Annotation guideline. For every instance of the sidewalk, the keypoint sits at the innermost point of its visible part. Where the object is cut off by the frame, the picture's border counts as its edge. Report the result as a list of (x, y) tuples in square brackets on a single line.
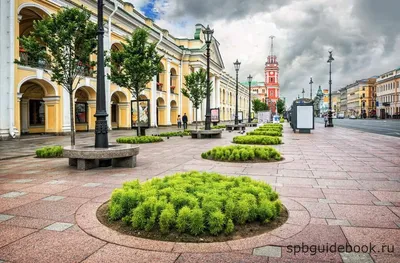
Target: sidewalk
[(339, 185)]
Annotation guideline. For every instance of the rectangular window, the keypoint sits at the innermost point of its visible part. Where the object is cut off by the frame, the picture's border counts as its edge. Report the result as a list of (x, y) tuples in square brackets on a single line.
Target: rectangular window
[(36, 112), (363, 95), (80, 112)]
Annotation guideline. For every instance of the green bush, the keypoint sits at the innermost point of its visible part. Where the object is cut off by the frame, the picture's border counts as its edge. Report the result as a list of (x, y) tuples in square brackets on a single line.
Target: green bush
[(242, 153), (273, 132), (194, 203), (281, 120), (49, 152), (172, 134), (257, 139), (140, 139)]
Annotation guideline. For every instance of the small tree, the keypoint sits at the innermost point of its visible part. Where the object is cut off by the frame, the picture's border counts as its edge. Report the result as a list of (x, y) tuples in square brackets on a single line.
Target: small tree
[(63, 43), (280, 106), (195, 88), (258, 105), (135, 65)]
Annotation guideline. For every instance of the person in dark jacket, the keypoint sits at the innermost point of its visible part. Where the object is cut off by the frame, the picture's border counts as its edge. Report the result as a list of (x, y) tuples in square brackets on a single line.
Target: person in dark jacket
[(185, 121)]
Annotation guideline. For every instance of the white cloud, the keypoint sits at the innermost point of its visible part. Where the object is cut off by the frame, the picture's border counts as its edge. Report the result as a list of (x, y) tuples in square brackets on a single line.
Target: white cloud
[(305, 30)]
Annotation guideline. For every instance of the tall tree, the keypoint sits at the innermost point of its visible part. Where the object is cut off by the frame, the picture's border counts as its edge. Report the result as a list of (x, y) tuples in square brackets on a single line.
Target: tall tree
[(258, 105), (196, 88), (63, 43), (135, 65), (280, 106)]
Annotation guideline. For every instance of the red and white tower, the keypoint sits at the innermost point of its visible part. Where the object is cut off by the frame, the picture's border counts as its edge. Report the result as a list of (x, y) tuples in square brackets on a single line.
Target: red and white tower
[(272, 78)]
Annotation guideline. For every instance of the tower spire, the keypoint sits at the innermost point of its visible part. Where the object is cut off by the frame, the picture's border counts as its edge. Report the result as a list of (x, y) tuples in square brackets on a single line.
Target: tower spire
[(272, 46)]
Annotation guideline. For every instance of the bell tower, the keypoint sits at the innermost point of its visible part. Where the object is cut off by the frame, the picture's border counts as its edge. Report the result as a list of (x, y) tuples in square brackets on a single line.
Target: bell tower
[(272, 78)]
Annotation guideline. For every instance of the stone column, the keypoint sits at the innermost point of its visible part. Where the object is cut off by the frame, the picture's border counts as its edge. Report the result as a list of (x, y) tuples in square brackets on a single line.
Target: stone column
[(168, 102), (51, 113), (24, 116), (212, 95), (66, 122), (91, 111), (218, 92), (124, 114)]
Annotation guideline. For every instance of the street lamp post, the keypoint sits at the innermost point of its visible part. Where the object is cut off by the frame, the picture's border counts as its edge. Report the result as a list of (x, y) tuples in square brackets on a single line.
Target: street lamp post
[(311, 82), (237, 67), (101, 129), (303, 93), (208, 37), (330, 59), (249, 78)]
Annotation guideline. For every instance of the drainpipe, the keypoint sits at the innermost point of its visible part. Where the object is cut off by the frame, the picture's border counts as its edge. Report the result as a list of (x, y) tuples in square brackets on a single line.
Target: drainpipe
[(107, 81), (11, 76), (109, 21), (180, 83), (155, 90)]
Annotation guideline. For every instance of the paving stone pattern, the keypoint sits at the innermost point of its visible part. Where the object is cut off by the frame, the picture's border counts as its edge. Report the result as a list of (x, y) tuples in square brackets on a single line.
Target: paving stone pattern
[(340, 186)]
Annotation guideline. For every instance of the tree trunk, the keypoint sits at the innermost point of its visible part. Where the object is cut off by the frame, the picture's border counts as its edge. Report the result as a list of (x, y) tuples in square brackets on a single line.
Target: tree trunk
[(138, 114), (196, 119), (72, 119)]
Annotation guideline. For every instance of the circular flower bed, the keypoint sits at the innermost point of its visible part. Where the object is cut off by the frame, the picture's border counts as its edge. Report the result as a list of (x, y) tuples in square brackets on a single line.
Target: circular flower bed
[(194, 203), (265, 132), (172, 134), (257, 139), (49, 152), (140, 139), (242, 153)]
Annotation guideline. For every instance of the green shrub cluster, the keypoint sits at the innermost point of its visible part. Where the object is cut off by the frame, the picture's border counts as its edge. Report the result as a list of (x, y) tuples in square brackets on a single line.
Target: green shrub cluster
[(49, 152), (242, 153), (218, 127), (273, 132), (281, 120), (139, 139), (271, 126), (172, 134), (257, 139), (194, 203)]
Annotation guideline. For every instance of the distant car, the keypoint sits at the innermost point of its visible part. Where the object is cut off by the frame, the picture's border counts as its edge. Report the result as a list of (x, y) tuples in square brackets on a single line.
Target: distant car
[(340, 116), (352, 117)]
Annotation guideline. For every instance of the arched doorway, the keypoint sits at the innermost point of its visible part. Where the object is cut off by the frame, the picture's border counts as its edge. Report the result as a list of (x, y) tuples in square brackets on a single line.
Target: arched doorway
[(174, 113), (119, 110), (85, 108), (39, 107), (161, 120), (26, 17)]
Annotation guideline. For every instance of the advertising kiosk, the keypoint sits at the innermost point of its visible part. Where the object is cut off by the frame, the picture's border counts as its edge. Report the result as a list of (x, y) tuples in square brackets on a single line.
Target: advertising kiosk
[(302, 115)]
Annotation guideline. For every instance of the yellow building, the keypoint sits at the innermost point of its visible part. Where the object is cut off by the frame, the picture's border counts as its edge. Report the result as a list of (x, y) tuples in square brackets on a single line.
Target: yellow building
[(360, 98), (31, 103)]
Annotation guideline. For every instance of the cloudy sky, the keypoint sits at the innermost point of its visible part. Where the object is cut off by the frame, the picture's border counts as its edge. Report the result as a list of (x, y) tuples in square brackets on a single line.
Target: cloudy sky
[(363, 34)]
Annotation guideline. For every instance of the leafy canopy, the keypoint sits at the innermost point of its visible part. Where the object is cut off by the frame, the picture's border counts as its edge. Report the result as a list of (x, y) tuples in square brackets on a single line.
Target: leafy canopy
[(63, 42), (196, 87), (280, 105), (136, 63), (258, 105)]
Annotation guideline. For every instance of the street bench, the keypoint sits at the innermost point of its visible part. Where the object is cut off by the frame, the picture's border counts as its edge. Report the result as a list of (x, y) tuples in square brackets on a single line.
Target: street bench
[(206, 134), (88, 157), (235, 127)]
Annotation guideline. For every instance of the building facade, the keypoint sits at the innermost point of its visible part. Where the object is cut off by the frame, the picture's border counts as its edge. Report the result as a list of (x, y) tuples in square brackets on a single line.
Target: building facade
[(31, 103), (343, 102), (361, 98), (388, 94)]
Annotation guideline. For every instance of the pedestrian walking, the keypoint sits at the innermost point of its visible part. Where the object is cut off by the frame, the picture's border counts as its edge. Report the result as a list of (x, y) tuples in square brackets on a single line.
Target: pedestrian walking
[(179, 121), (326, 119), (184, 120)]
